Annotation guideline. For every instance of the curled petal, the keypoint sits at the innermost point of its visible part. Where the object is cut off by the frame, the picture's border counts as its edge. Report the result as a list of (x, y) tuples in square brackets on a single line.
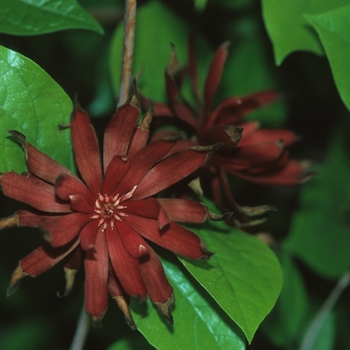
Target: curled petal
[(86, 150), (173, 237), (39, 163), (96, 279), (266, 136), (39, 261), (34, 192), (120, 129), (159, 289), (124, 265)]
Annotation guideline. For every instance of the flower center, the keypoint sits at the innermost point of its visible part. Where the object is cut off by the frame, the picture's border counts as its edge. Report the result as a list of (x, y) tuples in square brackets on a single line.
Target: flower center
[(109, 209)]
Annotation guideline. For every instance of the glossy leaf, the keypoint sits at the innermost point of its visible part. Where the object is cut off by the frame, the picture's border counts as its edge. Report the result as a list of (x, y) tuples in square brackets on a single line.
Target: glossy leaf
[(243, 276), (320, 230), (198, 322), (152, 48), (34, 104), (288, 28), (32, 17), (333, 29)]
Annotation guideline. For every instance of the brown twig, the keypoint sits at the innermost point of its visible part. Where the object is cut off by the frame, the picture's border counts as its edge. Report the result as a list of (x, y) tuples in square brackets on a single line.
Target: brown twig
[(128, 50)]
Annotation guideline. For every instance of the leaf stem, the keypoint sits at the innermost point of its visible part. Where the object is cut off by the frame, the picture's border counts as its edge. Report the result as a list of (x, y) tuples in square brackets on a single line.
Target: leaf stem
[(128, 50), (81, 331), (315, 326)]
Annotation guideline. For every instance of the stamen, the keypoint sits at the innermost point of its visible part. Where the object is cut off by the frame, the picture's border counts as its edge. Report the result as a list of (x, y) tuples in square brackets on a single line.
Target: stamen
[(101, 222), (129, 194), (115, 198), (97, 204), (106, 199), (100, 197)]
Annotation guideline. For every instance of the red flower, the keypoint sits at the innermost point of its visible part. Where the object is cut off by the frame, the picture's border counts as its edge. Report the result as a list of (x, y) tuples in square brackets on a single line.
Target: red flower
[(254, 154), (105, 220)]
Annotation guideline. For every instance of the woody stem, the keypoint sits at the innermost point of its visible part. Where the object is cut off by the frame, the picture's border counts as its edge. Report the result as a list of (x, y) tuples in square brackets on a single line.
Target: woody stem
[(128, 50)]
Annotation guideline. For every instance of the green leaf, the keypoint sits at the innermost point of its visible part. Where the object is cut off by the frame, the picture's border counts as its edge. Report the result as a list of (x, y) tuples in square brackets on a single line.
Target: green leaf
[(34, 104), (199, 5), (152, 48), (287, 320), (333, 29), (198, 322), (32, 17), (288, 28), (320, 229), (243, 276)]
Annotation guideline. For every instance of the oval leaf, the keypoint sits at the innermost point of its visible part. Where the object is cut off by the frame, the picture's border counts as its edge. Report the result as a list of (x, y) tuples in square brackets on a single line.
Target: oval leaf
[(198, 323), (32, 17), (34, 104), (243, 276)]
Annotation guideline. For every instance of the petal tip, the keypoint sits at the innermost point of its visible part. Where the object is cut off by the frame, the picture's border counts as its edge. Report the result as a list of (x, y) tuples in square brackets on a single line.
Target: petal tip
[(165, 309), (17, 275)]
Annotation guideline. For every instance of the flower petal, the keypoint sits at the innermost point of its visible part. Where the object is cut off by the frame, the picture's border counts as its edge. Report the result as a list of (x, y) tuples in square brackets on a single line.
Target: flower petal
[(96, 279), (71, 267), (59, 230), (66, 186), (141, 162), (229, 135), (159, 289), (88, 234), (120, 129), (115, 172), (233, 109), (124, 265), (214, 75), (173, 237), (117, 293), (183, 210), (133, 242), (86, 150), (141, 134), (39, 261), (34, 192), (266, 135), (179, 166), (39, 163)]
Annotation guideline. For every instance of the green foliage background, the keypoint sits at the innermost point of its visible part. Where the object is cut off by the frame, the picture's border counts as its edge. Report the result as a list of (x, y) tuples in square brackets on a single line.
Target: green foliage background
[(53, 51)]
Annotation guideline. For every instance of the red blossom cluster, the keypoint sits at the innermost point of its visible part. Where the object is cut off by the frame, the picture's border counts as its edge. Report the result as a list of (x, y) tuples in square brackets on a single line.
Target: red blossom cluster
[(247, 151)]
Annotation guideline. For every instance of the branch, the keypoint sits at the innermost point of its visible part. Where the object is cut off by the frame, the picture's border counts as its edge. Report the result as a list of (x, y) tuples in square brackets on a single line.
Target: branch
[(128, 50)]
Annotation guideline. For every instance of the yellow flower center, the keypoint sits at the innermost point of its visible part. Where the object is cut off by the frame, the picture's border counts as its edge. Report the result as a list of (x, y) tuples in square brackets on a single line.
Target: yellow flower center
[(109, 209)]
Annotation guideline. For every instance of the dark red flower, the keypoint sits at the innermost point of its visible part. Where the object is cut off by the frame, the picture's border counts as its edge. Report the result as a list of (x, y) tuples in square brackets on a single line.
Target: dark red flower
[(105, 220), (254, 154)]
